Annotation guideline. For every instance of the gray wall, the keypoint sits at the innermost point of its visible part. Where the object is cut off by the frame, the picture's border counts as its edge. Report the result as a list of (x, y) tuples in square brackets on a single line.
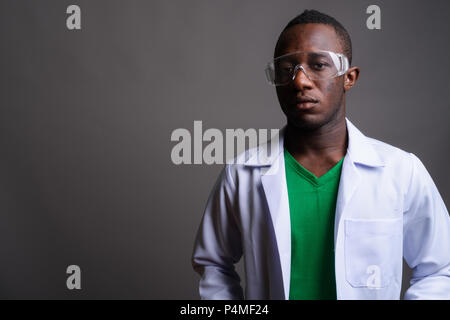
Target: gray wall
[(86, 116)]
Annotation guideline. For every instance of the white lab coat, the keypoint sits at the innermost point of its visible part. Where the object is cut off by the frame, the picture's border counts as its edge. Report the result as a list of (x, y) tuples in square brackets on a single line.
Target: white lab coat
[(388, 207)]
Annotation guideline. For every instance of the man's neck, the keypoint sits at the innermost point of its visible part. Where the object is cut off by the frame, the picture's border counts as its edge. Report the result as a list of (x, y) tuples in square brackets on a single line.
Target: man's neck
[(318, 150)]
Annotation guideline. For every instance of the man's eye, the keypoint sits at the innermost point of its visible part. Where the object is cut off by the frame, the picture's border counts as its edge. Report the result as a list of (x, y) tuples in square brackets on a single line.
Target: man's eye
[(319, 66)]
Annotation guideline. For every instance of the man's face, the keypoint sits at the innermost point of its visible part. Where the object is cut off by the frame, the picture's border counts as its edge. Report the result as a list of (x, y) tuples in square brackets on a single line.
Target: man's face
[(329, 93)]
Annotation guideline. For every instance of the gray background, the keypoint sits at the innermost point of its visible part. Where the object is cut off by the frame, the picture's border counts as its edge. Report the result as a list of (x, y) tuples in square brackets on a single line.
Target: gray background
[(86, 116)]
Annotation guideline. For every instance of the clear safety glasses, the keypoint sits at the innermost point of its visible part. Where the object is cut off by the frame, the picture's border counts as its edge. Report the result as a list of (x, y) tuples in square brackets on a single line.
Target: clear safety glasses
[(317, 65)]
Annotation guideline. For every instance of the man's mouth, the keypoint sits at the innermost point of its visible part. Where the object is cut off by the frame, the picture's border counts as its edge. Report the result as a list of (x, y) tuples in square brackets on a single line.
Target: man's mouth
[(305, 103)]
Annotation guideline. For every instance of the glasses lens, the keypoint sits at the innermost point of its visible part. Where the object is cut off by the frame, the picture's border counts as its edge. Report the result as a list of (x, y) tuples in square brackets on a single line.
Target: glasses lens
[(321, 65), (317, 65)]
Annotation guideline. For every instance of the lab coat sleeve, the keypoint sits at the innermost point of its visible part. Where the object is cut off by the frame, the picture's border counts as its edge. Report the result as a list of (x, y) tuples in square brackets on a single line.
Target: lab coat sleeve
[(426, 242), (218, 243)]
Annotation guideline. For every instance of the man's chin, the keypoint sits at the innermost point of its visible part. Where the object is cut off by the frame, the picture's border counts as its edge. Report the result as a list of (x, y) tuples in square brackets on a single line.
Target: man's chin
[(307, 122)]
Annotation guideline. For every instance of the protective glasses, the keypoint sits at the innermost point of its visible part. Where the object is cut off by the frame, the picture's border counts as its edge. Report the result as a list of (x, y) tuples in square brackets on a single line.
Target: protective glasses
[(317, 65)]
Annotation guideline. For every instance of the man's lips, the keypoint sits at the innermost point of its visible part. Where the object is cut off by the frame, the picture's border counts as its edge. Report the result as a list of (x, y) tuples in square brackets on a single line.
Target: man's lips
[(303, 99), (305, 102)]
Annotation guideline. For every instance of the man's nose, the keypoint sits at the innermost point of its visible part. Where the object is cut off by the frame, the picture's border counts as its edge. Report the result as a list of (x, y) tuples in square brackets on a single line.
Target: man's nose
[(301, 80)]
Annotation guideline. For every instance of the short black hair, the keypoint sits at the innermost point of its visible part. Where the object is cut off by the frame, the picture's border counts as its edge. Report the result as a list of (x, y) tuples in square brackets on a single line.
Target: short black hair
[(314, 16)]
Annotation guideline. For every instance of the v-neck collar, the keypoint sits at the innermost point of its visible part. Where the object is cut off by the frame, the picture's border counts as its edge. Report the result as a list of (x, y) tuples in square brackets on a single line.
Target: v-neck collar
[(317, 181)]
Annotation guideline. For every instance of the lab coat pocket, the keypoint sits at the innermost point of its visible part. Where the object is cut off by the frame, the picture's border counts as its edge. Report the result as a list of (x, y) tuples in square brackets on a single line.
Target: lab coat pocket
[(372, 249)]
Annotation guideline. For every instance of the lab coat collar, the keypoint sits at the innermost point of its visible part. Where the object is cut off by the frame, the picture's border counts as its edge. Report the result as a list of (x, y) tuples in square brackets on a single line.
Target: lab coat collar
[(359, 148)]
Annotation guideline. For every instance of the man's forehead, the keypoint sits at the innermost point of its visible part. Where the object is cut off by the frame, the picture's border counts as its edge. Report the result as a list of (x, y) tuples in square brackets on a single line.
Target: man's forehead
[(308, 37)]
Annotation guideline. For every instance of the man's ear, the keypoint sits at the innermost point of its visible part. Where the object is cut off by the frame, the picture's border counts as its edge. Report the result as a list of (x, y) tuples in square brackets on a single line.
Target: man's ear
[(350, 78)]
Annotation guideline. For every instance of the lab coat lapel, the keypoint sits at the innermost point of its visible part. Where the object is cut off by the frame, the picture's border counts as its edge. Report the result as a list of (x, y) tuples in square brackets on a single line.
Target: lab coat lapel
[(273, 180), (359, 152), (274, 184), (349, 182)]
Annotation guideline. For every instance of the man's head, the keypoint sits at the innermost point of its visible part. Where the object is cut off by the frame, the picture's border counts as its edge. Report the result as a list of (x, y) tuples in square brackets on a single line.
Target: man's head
[(313, 31)]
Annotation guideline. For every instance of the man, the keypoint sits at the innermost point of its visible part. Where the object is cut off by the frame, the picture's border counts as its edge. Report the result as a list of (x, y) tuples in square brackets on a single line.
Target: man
[(330, 215)]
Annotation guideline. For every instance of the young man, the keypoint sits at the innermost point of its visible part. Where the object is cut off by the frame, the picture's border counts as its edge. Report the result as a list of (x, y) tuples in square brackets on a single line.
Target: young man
[(332, 214)]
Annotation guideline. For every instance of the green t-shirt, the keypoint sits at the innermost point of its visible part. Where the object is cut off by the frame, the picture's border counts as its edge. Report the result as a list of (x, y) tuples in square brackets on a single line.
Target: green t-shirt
[(312, 203)]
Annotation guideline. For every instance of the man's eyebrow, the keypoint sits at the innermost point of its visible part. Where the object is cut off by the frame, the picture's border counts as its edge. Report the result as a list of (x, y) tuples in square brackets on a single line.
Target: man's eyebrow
[(318, 54)]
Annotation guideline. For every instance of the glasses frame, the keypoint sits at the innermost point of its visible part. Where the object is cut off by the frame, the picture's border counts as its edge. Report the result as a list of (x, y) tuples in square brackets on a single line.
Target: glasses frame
[(270, 66)]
